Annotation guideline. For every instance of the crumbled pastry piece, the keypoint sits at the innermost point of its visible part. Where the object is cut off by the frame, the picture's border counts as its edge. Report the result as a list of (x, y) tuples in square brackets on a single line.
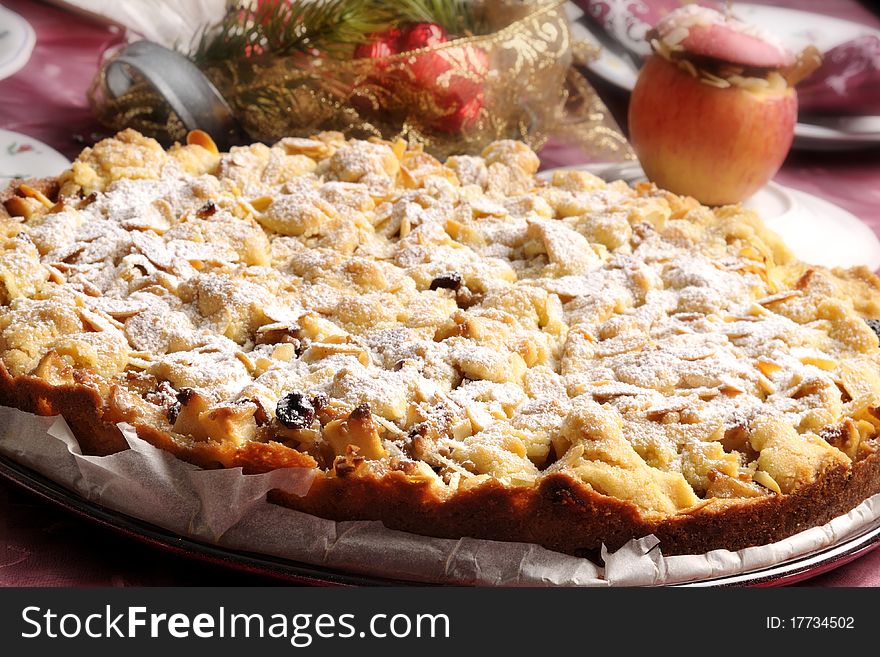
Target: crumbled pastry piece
[(30, 327), (463, 329), (21, 272), (128, 155)]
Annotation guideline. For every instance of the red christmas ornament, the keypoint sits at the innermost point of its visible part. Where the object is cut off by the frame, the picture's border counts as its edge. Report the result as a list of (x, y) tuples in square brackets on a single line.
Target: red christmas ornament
[(421, 35), (427, 67), (460, 88), (463, 117), (427, 70), (469, 66), (453, 76), (372, 95), (379, 45)]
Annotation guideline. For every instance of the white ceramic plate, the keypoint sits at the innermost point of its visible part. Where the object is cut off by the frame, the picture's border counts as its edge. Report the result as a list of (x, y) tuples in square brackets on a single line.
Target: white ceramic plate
[(817, 231), (25, 157), (17, 41), (838, 133), (797, 29)]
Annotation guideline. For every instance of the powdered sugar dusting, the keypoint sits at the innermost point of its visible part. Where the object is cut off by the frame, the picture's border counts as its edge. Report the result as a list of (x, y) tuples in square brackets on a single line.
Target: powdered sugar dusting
[(480, 322)]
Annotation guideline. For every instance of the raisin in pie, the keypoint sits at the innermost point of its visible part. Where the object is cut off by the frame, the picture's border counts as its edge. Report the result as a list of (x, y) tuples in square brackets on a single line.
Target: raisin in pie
[(456, 349)]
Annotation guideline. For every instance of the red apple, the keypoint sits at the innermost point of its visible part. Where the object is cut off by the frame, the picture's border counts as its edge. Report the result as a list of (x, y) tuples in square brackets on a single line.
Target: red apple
[(718, 145), (712, 113)]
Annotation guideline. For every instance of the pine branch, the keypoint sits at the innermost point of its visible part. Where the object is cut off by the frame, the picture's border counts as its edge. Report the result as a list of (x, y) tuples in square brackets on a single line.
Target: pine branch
[(456, 16), (329, 27), (284, 27)]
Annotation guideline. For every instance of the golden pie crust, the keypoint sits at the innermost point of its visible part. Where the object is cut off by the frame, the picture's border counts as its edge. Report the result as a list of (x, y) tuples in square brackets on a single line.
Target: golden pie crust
[(456, 349)]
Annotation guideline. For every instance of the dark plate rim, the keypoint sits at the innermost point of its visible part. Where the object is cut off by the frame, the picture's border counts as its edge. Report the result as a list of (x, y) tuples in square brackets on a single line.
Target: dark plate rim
[(294, 572), (277, 568)]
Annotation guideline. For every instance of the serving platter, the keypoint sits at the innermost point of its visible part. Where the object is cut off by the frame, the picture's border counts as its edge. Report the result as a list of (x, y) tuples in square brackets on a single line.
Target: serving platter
[(816, 230), (161, 539), (282, 570)]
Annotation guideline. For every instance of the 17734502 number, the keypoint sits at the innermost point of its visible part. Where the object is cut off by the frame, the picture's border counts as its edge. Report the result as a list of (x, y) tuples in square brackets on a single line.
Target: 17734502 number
[(811, 623)]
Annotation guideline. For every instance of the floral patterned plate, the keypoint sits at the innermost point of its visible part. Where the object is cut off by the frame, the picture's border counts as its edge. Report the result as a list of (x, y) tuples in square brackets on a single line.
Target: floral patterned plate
[(24, 157)]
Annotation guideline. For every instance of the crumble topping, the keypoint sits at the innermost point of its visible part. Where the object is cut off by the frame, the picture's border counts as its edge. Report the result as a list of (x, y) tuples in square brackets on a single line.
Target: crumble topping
[(378, 310)]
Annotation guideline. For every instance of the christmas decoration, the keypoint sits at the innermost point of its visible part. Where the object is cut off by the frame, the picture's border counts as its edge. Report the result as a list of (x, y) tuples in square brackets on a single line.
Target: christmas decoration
[(452, 75)]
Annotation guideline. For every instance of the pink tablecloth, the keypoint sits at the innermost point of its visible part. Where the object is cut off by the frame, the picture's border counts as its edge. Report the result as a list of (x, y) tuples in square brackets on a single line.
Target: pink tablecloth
[(41, 545)]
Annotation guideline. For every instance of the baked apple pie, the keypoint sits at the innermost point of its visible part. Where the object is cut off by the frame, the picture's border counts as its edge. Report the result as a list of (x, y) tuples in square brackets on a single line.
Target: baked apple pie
[(454, 348)]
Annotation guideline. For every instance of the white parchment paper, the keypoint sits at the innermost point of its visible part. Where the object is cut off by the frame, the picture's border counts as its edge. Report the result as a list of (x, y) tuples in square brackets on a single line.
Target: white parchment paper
[(229, 508)]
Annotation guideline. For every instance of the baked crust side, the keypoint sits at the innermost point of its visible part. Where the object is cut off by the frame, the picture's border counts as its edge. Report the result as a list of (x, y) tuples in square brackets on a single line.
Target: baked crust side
[(80, 405), (94, 426), (565, 515), (560, 513)]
